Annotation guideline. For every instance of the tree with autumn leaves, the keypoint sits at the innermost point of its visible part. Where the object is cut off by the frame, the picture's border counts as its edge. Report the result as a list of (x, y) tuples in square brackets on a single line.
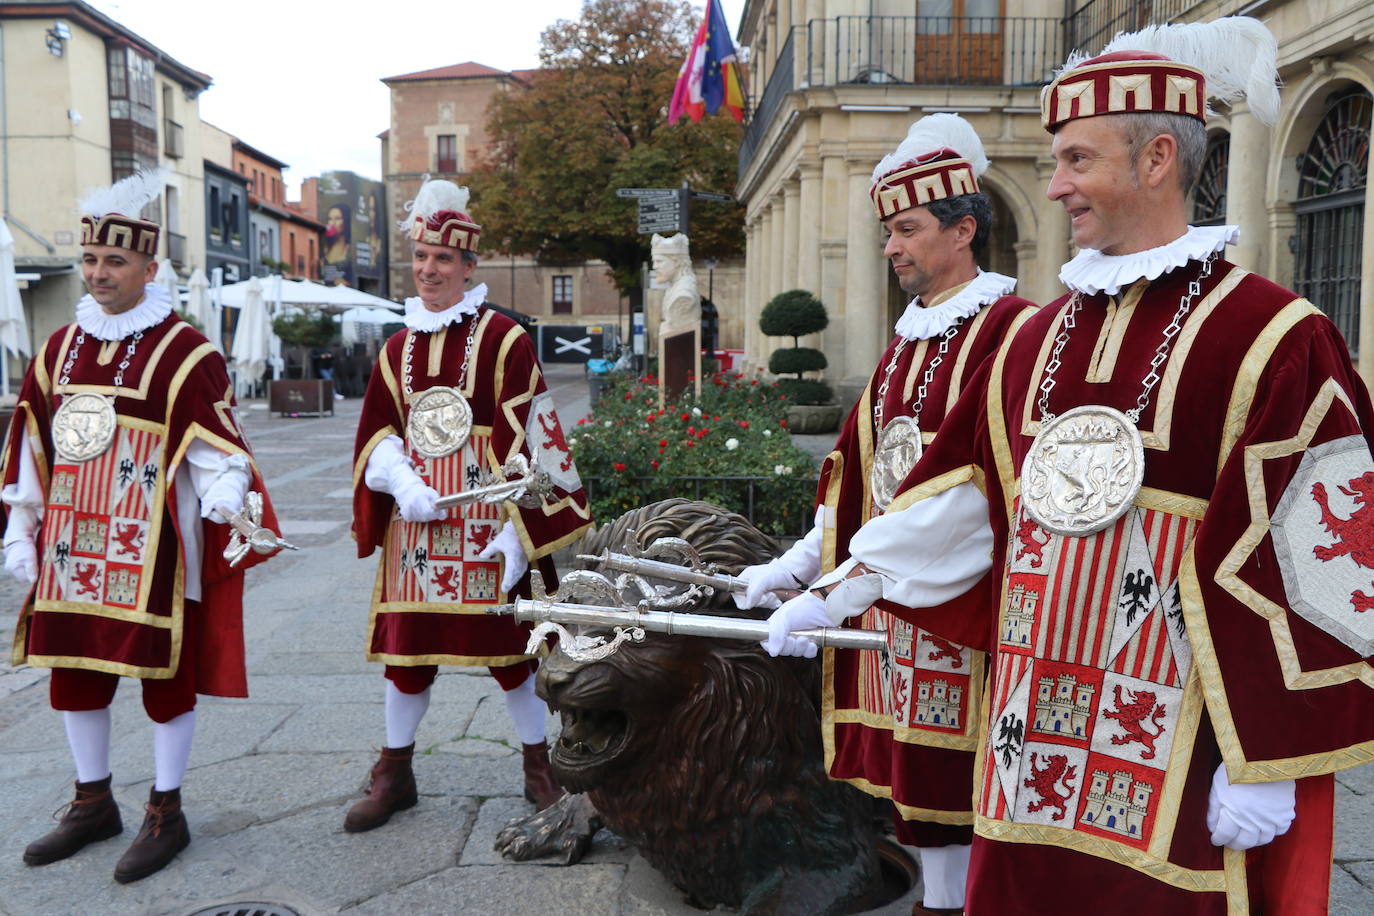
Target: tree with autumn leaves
[(594, 119)]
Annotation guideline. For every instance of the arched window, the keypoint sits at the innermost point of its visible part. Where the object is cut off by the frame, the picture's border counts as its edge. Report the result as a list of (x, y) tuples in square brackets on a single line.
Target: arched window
[(1332, 174), (1209, 197)]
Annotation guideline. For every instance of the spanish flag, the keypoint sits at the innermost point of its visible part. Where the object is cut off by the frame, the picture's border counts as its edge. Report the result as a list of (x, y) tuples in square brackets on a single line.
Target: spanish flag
[(710, 74)]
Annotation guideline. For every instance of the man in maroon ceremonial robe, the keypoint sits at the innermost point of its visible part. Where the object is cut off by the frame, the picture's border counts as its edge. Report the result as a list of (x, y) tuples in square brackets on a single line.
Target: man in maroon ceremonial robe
[(453, 397), (123, 461), (908, 731), (1168, 469)]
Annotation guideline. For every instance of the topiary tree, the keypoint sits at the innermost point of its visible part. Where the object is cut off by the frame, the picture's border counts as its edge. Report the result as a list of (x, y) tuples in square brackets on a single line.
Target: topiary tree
[(793, 314)]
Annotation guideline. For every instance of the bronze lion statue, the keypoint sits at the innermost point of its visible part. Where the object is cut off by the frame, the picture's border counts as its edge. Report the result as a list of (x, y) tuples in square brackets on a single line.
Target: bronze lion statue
[(704, 754)]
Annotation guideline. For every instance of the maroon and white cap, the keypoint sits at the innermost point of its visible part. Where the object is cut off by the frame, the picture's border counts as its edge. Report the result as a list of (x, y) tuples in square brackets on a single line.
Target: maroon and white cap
[(941, 157)]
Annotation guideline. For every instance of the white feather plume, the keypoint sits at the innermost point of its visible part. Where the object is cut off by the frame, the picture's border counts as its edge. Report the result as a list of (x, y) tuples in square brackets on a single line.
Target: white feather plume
[(1237, 55), (934, 132), (434, 195), (128, 196)]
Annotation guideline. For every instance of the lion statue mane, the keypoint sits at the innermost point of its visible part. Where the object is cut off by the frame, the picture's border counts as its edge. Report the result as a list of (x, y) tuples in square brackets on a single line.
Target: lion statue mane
[(705, 754)]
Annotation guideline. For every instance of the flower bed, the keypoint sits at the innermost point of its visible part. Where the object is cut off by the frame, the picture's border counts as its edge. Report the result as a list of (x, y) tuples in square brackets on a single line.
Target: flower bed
[(729, 447)]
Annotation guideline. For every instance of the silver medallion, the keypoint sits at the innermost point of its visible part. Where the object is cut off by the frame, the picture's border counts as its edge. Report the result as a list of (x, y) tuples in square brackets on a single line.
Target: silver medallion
[(899, 448), (1083, 471), (84, 426), (440, 422)]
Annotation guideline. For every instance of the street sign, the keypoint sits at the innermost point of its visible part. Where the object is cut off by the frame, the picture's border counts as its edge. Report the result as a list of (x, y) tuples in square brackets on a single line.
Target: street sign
[(658, 224), (709, 195), (646, 192), (663, 208)]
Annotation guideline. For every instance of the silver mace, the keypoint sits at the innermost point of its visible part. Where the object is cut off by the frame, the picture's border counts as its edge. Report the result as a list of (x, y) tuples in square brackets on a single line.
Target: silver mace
[(626, 622), (249, 533), (517, 482), (658, 569)]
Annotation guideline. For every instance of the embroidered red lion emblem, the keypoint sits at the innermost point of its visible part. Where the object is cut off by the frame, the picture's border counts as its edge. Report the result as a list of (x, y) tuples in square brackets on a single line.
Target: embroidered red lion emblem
[(1030, 544), (943, 649), (1044, 779), (479, 538), (555, 439), (1133, 714), (129, 539), (1354, 535), (444, 579), (85, 574)]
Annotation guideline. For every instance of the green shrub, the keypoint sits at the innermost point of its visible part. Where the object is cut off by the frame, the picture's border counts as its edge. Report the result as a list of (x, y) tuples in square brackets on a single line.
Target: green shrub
[(796, 360), (805, 391), (794, 314), (630, 453)]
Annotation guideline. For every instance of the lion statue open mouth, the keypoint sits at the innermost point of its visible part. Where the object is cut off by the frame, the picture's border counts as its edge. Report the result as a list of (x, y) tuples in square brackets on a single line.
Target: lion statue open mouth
[(705, 754)]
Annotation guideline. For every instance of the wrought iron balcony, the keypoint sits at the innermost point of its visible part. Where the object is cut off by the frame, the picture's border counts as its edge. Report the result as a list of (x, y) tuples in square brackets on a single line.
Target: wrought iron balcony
[(910, 50), (1094, 23)]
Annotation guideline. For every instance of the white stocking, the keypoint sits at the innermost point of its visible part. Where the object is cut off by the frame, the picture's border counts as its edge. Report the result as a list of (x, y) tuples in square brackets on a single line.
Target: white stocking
[(944, 871), (403, 714), (172, 749), (527, 711), (88, 733)]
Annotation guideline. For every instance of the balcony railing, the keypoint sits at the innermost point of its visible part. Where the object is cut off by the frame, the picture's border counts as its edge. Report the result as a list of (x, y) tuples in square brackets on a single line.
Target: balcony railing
[(1093, 24), (173, 139), (911, 50), (176, 248)]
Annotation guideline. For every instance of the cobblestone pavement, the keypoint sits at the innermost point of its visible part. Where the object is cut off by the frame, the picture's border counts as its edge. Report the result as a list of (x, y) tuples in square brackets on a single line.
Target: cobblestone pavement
[(272, 776)]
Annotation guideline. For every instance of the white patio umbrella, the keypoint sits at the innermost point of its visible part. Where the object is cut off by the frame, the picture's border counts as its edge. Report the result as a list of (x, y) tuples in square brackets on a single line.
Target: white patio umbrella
[(351, 320), (251, 338), (14, 330), (167, 279), (198, 305), (304, 292)]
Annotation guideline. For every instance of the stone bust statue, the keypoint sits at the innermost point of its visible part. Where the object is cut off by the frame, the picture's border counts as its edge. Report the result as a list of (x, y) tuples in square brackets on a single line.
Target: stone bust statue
[(681, 300)]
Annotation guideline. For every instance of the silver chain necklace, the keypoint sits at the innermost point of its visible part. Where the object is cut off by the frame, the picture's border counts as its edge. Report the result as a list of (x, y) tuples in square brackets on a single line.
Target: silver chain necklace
[(1152, 379), (84, 424), (440, 420), (899, 442), (1085, 466)]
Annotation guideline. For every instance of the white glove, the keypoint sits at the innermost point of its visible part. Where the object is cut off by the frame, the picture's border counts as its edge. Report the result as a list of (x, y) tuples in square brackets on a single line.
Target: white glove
[(416, 501), (21, 559), (800, 613), (507, 543), (1248, 814), (221, 481), (762, 579)]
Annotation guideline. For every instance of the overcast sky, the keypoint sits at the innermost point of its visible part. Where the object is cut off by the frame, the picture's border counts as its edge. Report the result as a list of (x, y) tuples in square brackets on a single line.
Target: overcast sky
[(299, 81)]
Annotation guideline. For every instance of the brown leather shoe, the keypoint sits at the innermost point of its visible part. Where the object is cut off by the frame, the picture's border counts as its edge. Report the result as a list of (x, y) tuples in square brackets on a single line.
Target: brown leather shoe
[(92, 815), (541, 787), (164, 834), (390, 788)]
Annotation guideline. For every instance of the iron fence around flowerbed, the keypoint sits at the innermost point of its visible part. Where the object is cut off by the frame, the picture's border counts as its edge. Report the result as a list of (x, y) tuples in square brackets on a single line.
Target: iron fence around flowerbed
[(781, 506)]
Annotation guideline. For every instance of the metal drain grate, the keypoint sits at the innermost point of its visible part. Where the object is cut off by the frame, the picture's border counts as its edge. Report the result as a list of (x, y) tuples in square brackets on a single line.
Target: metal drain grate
[(247, 908)]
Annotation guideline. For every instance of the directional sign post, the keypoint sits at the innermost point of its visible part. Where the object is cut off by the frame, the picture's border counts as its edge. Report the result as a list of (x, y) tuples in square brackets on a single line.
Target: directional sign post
[(667, 209)]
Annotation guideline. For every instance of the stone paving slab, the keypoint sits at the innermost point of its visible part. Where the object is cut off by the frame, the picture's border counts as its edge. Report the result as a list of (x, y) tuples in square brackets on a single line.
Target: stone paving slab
[(504, 891)]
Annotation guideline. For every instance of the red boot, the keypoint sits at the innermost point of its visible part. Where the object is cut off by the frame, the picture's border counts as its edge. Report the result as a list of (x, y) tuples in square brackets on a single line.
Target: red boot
[(390, 788), (541, 787)]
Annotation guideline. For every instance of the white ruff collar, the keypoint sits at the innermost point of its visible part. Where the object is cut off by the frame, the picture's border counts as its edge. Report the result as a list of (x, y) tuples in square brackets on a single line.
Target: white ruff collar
[(419, 318), (919, 322), (152, 309), (1093, 272)]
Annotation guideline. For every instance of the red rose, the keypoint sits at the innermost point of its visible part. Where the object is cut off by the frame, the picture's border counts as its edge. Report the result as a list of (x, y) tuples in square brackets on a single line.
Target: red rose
[(662, 443), (686, 417), (654, 463), (691, 430), (619, 466), (743, 424), (782, 423)]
